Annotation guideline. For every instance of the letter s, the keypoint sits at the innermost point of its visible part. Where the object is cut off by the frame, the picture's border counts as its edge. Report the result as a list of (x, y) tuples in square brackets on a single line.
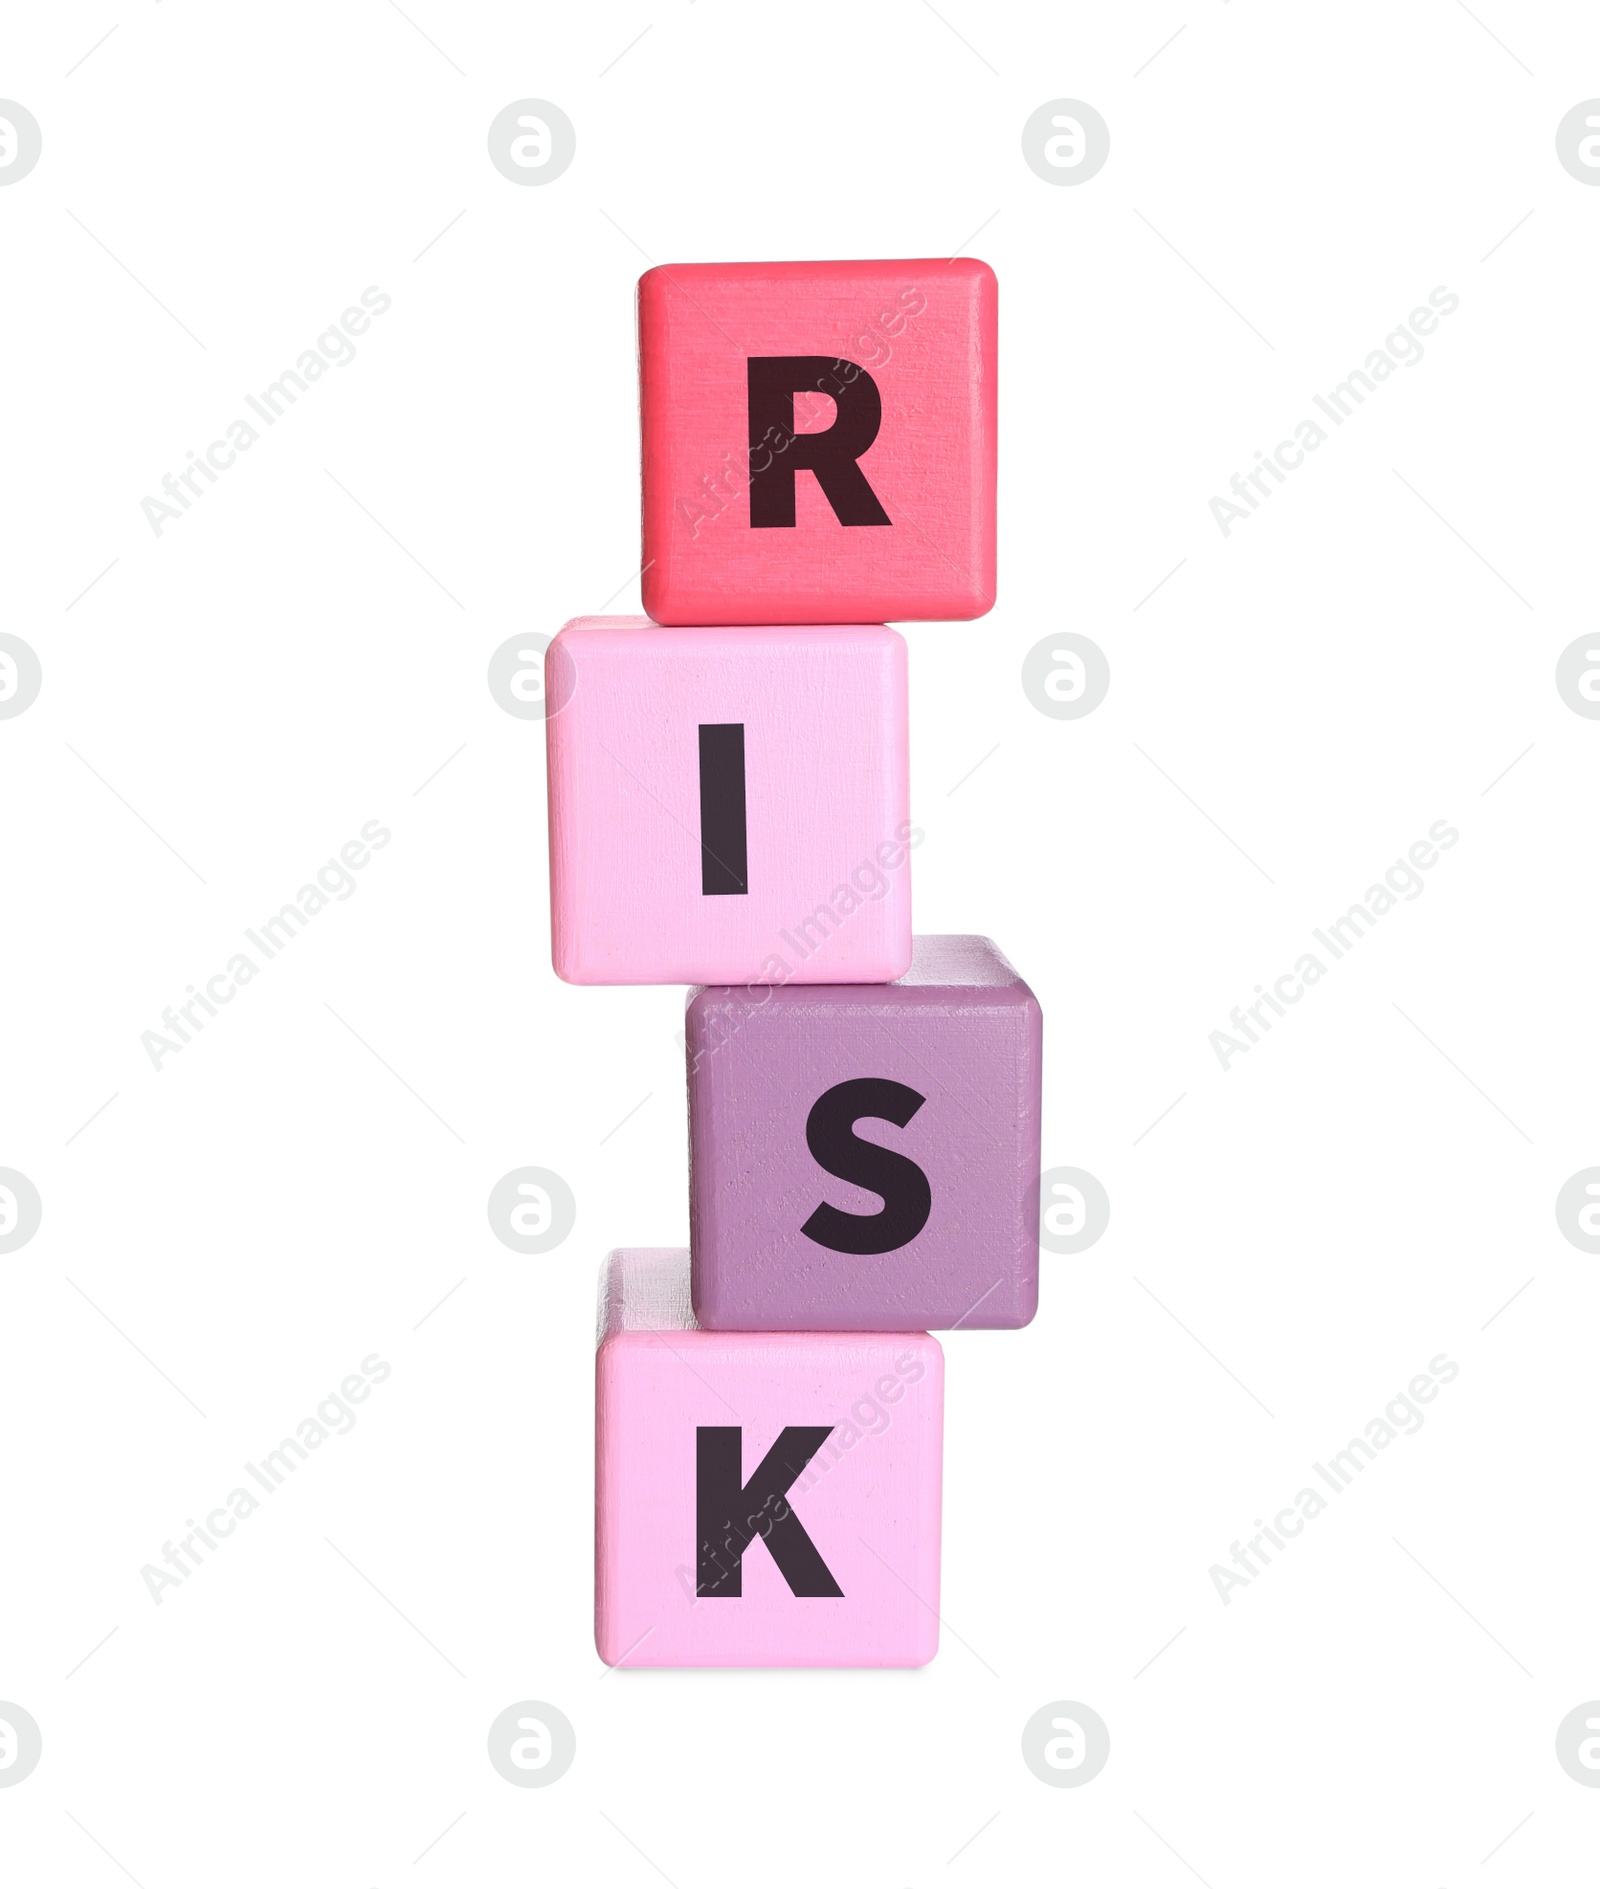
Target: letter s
[(901, 1184)]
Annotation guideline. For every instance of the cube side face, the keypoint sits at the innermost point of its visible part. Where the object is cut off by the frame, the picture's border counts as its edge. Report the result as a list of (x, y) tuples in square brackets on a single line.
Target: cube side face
[(917, 343), (865, 1160), (643, 1288), (670, 1592), (818, 720)]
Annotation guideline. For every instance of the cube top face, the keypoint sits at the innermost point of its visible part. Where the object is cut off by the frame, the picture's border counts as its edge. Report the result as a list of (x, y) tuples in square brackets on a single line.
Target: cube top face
[(867, 1159), (818, 441), (761, 1499), (728, 806)]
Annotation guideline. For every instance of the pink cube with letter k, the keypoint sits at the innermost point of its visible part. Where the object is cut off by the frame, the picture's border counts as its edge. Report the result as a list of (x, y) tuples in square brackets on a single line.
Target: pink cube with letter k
[(761, 1498)]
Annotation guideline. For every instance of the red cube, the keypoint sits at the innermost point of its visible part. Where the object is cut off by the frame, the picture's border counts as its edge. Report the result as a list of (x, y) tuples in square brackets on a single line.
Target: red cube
[(819, 441)]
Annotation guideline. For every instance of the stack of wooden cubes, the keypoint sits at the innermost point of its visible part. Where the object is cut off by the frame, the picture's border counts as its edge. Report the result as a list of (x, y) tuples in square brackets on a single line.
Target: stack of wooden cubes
[(729, 809)]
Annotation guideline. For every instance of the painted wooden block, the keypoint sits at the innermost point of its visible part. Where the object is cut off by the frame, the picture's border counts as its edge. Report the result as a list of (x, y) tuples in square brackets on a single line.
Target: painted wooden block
[(760, 1499), (819, 441), (728, 805), (866, 1158)]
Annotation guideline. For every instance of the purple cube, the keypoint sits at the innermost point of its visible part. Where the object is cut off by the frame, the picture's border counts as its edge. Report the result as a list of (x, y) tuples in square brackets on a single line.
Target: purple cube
[(865, 1157)]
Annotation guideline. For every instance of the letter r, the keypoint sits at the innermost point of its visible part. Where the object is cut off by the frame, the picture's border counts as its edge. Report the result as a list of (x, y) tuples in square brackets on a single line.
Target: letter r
[(778, 452)]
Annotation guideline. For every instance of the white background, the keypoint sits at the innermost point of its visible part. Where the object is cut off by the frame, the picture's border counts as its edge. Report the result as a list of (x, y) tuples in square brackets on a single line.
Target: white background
[(1338, 1207)]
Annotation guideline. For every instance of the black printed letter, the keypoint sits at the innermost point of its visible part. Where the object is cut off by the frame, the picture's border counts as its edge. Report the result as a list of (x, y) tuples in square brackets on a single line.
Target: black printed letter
[(907, 1198), (778, 452), (724, 864), (729, 1515)]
